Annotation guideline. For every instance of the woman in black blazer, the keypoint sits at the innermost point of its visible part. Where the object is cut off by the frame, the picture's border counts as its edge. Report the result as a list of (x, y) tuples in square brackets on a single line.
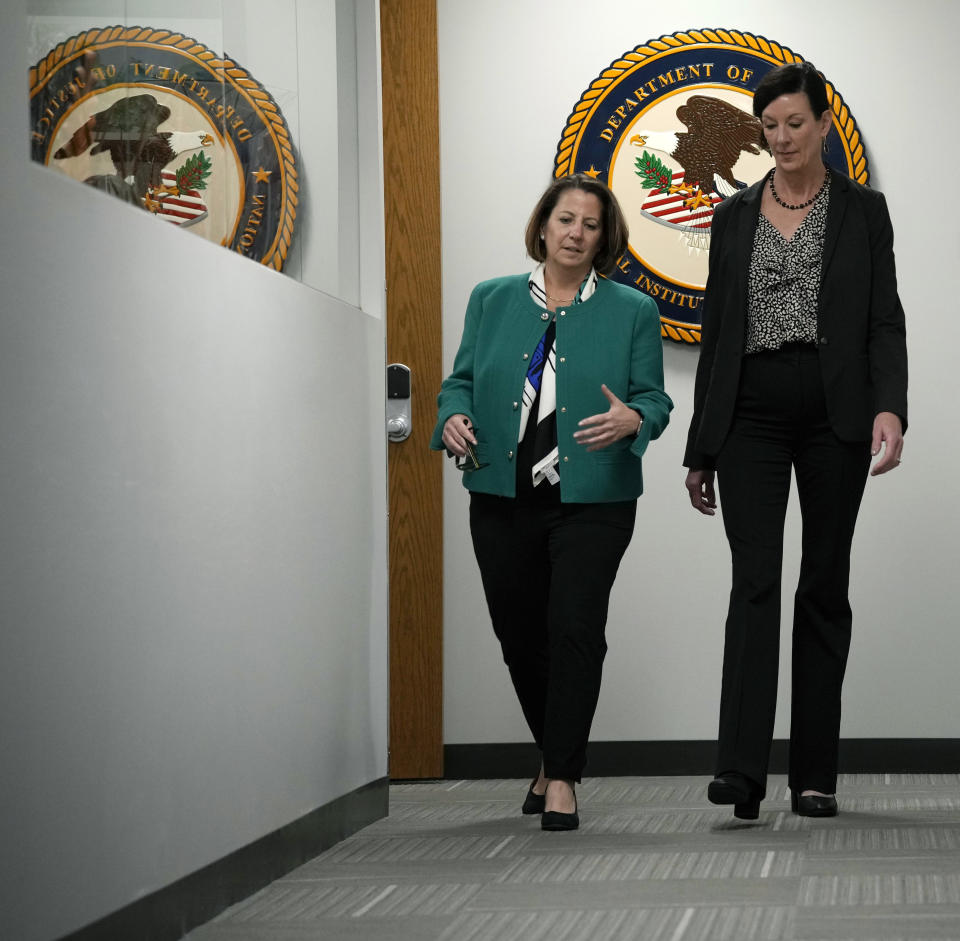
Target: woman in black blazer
[(803, 369)]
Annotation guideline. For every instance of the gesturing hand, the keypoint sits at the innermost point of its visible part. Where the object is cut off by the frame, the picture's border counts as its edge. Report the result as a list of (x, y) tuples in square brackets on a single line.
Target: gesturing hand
[(600, 431)]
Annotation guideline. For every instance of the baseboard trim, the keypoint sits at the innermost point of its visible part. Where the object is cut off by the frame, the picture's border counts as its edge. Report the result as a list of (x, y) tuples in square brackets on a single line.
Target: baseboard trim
[(617, 759), (169, 913)]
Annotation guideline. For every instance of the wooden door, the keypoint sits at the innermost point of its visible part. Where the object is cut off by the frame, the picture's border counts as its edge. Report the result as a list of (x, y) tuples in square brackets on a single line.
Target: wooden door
[(411, 156)]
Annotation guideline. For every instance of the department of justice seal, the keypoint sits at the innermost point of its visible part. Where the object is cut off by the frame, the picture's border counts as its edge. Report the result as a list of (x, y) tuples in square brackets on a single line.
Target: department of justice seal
[(669, 127), (160, 121)]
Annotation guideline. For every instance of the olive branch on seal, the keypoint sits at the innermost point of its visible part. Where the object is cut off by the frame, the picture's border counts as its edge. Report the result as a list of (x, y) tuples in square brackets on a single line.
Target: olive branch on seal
[(193, 174), (653, 172)]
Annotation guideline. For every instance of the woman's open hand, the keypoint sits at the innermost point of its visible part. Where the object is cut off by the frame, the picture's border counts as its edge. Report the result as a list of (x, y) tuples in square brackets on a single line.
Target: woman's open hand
[(600, 431)]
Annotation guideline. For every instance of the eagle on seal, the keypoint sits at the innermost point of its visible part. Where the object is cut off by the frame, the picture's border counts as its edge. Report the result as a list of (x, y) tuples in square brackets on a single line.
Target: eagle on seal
[(717, 132), (129, 131)]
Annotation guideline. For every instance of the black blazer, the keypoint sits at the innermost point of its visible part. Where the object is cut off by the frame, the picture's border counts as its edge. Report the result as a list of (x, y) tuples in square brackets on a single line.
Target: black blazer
[(860, 324)]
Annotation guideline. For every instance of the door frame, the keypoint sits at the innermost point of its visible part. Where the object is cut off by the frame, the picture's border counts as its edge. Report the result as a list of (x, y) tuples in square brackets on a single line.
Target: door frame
[(411, 148)]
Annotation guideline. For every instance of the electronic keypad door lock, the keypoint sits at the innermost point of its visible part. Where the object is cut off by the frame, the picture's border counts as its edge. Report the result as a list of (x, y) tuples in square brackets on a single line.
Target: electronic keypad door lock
[(399, 422)]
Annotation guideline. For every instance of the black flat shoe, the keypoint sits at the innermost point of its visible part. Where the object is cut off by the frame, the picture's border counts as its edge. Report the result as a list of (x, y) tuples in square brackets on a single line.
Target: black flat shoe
[(736, 789), (555, 820), (534, 803), (813, 805)]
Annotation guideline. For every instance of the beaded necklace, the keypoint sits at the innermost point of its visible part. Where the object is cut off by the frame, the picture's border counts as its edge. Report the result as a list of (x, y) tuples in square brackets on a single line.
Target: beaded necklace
[(809, 202)]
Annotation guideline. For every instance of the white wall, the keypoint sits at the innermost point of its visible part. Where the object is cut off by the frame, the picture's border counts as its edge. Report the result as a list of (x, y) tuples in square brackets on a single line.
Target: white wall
[(193, 541), (510, 74)]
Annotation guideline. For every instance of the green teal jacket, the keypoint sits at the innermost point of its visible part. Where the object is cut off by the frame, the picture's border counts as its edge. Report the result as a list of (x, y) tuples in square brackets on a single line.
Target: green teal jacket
[(612, 338)]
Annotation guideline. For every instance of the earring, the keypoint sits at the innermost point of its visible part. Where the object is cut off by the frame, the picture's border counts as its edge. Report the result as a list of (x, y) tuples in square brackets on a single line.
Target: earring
[(824, 143), (541, 235)]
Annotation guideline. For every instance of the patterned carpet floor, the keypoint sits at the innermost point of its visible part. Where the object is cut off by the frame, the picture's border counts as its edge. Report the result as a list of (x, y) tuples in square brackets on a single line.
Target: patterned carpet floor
[(653, 861)]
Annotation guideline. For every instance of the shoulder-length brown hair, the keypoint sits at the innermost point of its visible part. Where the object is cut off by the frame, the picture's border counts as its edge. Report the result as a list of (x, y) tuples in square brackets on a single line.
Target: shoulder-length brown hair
[(613, 238)]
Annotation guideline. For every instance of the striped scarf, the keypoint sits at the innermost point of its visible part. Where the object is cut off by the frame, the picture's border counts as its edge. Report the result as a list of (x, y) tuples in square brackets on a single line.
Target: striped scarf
[(540, 386)]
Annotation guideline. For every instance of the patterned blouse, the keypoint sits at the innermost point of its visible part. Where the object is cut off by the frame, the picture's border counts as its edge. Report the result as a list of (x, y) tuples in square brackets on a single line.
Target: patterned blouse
[(784, 284)]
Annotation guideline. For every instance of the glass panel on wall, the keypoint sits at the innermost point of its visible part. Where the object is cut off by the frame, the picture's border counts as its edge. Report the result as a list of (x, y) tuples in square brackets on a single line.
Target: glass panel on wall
[(232, 121)]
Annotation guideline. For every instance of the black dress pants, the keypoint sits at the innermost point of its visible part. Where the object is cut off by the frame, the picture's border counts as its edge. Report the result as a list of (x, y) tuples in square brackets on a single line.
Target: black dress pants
[(547, 571), (781, 425)]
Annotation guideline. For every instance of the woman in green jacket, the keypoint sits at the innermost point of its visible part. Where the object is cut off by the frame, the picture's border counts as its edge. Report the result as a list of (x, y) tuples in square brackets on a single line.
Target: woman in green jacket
[(555, 393)]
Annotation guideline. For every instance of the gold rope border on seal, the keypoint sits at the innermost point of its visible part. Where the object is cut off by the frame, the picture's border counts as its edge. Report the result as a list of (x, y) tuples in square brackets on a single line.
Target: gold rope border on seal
[(229, 73), (845, 124)]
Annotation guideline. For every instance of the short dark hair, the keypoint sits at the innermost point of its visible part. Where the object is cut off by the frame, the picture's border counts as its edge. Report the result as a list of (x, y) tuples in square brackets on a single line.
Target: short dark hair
[(788, 80), (614, 235)]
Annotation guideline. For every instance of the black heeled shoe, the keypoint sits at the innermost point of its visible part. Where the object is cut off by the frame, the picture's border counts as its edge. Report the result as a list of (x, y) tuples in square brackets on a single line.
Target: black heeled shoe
[(534, 803), (813, 805), (737, 789), (556, 820)]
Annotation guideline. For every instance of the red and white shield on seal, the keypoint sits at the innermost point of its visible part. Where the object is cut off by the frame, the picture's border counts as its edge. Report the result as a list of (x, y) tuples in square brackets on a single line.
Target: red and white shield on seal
[(184, 208)]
